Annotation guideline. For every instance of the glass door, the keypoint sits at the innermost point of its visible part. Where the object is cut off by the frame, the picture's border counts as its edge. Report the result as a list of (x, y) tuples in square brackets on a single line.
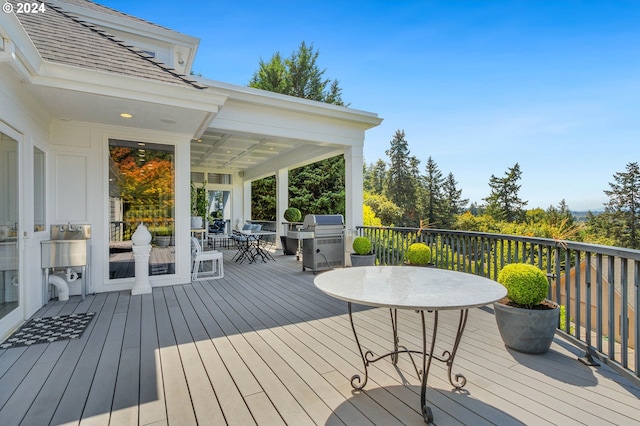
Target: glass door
[(9, 227)]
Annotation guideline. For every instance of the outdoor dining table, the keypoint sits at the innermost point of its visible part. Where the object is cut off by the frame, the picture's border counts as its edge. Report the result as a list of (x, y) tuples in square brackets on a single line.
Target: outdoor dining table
[(413, 288), (253, 249)]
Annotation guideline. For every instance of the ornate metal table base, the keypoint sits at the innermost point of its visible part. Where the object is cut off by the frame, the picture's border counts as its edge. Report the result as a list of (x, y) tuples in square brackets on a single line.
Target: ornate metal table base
[(457, 381)]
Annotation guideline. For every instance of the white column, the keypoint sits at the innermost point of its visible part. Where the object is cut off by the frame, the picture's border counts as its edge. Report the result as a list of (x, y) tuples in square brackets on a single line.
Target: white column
[(141, 256), (353, 159), (282, 201), (246, 205), (141, 240)]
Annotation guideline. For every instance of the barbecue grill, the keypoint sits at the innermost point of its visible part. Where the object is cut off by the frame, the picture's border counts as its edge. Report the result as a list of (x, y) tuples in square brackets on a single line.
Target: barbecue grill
[(325, 250)]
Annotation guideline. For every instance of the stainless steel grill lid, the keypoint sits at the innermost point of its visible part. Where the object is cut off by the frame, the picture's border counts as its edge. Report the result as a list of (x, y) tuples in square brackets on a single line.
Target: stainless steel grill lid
[(324, 223)]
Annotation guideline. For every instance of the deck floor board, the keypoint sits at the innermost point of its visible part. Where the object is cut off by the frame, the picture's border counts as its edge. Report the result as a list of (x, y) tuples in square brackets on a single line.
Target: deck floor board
[(263, 346)]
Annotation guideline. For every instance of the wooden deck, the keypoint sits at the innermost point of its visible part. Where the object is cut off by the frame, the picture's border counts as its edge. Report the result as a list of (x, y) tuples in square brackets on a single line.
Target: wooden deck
[(263, 346)]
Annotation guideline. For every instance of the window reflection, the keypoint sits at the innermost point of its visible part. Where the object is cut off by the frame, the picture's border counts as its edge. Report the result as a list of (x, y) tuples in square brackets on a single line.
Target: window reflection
[(141, 190), (9, 226)]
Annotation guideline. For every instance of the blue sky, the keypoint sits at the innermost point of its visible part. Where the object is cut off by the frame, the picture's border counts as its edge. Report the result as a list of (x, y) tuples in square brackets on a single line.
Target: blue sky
[(476, 85)]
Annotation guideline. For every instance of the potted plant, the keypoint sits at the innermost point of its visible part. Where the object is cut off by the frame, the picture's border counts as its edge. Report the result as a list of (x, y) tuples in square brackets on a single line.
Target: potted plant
[(363, 255), (418, 254), (162, 236), (290, 245), (527, 321), (199, 205)]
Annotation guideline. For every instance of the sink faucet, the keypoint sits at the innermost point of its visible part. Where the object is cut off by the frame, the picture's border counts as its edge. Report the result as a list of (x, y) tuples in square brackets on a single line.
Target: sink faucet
[(70, 228)]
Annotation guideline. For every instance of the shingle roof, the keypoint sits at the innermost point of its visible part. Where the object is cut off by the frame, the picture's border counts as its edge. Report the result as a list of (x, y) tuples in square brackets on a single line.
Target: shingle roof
[(63, 38), (88, 4)]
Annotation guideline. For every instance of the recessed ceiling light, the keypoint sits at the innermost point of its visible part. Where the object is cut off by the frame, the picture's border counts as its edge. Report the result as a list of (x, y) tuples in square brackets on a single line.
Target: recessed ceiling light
[(126, 115), (228, 152)]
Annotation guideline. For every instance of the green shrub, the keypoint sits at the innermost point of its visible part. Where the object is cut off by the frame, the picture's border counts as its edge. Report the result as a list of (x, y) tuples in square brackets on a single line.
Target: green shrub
[(526, 284), (162, 231), (292, 215), (418, 254), (362, 245)]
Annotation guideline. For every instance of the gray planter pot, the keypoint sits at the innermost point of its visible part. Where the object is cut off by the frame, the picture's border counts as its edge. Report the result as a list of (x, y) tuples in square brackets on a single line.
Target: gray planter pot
[(197, 222), (363, 260), (289, 245), (530, 331), (163, 241)]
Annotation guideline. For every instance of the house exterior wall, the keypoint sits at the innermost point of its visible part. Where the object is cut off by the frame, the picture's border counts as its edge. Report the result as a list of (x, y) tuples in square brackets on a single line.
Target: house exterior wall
[(80, 193), (21, 119)]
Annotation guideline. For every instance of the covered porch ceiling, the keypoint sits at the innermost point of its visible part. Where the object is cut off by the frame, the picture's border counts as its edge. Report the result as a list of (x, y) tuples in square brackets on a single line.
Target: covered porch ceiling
[(254, 154)]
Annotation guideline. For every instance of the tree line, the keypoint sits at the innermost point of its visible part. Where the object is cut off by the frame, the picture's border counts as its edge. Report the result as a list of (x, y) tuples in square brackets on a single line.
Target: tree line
[(398, 194)]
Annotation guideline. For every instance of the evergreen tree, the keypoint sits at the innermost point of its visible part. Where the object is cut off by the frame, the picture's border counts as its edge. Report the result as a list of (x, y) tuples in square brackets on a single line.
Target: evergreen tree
[(624, 206), (504, 204), (560, 215), (452, 202), (401, 184), (318, 188), (300, 76), (432, 202), (271, 76), (374, 177), (263, 199)]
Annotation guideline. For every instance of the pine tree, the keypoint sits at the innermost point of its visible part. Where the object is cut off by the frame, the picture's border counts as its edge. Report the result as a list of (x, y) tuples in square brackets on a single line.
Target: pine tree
[(271, 76), (452, 202), (432, 203), (319, 187), (624, 206), (300, 76), (374, 177), (401, 184), (504, 204)]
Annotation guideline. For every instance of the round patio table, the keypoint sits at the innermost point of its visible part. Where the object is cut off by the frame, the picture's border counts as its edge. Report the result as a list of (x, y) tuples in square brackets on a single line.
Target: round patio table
[(414, 288)]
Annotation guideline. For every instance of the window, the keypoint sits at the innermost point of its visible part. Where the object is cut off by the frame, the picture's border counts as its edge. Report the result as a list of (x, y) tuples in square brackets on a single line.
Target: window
[(39, 191), (141, 190)]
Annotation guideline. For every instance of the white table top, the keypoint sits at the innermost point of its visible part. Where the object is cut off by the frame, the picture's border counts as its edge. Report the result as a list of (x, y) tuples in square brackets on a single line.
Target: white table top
[(249, 232), (410, 287)]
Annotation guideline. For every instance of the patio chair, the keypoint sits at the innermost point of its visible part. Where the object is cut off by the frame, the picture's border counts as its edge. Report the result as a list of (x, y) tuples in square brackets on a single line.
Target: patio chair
[(199, 259)]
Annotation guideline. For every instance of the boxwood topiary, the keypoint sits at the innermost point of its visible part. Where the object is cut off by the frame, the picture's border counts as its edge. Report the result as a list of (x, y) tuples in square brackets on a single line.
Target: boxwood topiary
[(418, 254), (526, 284), (362, 245), (292, 214)]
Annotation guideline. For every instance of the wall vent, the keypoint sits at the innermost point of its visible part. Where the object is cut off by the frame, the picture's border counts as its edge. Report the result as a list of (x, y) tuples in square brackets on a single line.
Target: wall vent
[(197, 177)]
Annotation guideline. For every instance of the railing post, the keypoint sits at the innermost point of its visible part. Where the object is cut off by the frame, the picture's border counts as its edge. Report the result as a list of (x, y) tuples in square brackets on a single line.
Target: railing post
[(589, 355)]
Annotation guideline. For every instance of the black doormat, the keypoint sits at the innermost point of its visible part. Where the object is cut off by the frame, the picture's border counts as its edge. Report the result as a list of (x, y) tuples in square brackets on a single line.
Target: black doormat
[(50, 329)]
